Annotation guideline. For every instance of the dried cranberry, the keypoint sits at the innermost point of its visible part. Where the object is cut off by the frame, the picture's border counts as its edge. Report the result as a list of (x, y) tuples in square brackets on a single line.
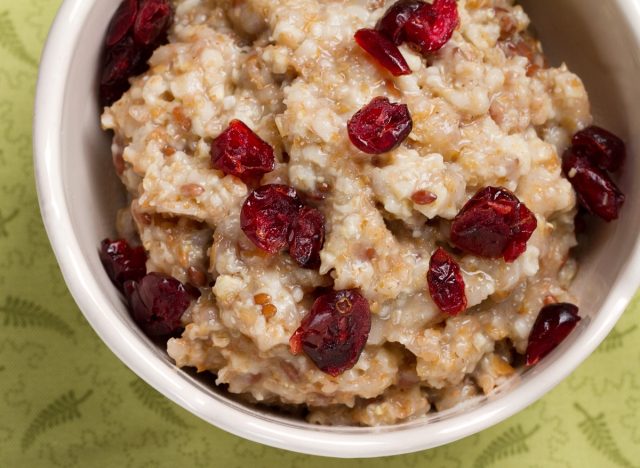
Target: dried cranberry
[(306, 238), (394, 19), (431, 26), (595, 189), (122, 21), (135, 30), (240, 152), (603, 148), (119, 62), (335, 331), (553, 325), (153, 22), (380, 126), (157, 303), (123, 262), (493, 224), (446, 284), (268, 214), (383, 50)]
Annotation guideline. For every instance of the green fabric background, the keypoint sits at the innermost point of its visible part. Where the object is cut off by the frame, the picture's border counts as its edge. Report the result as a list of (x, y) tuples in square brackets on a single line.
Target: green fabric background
[(66, 401)]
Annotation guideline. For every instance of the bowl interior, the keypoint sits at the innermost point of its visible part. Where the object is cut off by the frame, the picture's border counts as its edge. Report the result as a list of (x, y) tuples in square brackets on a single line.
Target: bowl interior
[(579, 32)]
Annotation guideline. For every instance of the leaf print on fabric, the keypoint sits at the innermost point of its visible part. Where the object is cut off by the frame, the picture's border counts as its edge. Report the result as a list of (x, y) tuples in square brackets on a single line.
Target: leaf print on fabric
[(598, 434), (24, 314), (156, 402), (62, 410), (5, 220), (615, 340), (511, 442), (631, 418), (10, 40)]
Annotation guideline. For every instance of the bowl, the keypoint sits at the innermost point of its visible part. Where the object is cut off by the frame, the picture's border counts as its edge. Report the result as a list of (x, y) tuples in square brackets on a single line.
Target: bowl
[(79, 195)]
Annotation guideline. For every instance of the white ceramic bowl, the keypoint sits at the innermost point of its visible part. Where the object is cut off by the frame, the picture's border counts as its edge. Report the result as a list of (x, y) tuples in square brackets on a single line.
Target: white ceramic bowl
[(79, 195)]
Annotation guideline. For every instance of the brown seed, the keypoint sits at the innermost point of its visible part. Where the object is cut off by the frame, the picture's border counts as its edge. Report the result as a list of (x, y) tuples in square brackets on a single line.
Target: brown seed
[(507, 22), (118, 163), (500, 366), (377, 161), (197, 277), (192, 190), (497, 112), (262, 299), (550, 299), (532, 69), (423, 197), (168, 151), (291, 371), (181, 119), (269, 310)]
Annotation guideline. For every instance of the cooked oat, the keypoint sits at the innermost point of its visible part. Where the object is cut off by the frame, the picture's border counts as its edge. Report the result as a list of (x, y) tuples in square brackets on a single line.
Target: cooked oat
[(486, 111)]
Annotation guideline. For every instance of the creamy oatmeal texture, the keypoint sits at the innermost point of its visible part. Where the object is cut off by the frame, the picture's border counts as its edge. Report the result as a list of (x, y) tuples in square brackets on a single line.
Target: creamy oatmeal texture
[(486, 111)]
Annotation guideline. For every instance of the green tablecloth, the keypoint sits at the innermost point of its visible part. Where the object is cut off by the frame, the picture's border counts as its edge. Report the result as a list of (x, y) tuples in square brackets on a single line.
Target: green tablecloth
[(66, 401)]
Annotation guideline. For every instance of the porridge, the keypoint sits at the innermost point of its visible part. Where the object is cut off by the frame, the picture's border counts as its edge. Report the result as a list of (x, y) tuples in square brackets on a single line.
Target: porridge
[(356, 208)]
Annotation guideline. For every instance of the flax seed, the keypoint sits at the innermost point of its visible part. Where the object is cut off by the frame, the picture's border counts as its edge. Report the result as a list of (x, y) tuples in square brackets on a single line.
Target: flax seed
[(262, 299), (423, 197), (269, 310)]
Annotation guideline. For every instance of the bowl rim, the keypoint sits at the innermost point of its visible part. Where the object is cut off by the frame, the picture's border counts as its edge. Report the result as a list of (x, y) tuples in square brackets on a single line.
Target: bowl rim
[(125, 344)]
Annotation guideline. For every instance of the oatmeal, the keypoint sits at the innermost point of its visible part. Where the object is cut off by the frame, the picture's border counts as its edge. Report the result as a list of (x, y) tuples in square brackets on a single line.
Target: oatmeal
[(398, 216)]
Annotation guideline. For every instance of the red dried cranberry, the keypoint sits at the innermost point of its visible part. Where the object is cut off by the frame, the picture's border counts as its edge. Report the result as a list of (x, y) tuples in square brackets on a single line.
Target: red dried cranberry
[(153, 22), (603, 148), (446, 284), (122, 21), (394, 19), (493, 224), (135, 30), (431, 26), (123, 262), (380, 126), (383, 50), (240, 152), (157, 303), (595, 189), (335, 331), (306, 238), (119, 62), (268, 214), (553, 325)]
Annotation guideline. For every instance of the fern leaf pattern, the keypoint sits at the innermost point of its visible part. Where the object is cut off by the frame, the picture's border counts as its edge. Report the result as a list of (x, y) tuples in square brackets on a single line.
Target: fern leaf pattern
[(22, 314), (10, 40), (64, 409), (511, 442), (4, 221), (157, 403), (597, 432), (615, 340)]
